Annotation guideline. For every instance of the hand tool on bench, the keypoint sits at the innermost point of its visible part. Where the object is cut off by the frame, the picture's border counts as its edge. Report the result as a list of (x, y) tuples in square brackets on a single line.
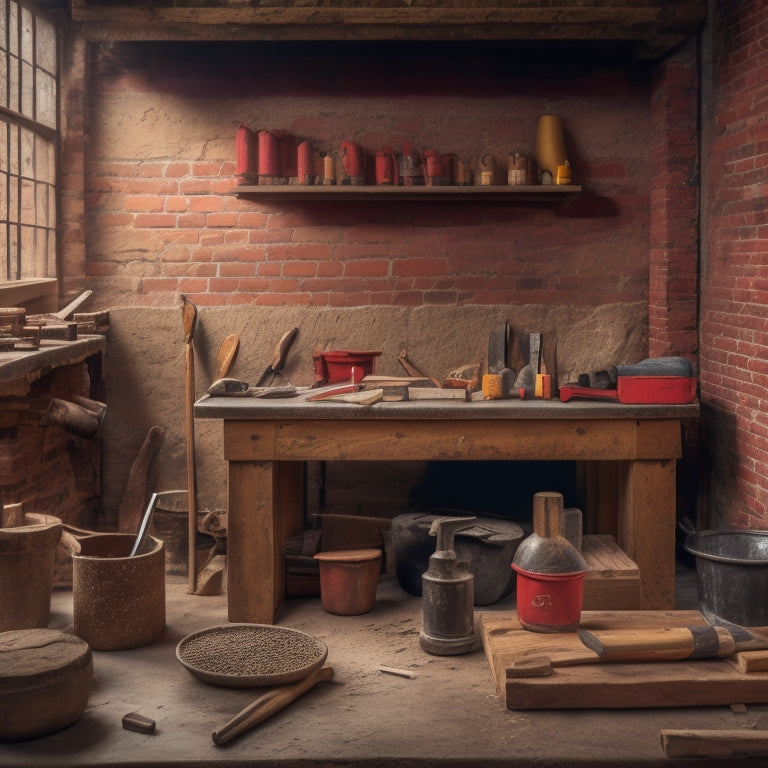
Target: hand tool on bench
[(267, 705), (236, 388), (526, 379), (275, 368), (189, 320), (412, 370), (669, 644)]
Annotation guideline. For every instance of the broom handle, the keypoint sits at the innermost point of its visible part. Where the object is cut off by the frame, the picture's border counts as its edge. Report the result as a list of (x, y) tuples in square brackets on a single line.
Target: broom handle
[(191, 478)]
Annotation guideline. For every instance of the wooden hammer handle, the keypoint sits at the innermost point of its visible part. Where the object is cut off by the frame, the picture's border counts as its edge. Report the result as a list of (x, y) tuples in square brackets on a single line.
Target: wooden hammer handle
[(659, 644), (267, 705)]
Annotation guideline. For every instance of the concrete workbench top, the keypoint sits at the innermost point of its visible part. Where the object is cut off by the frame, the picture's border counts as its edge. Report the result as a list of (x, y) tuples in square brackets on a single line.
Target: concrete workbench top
[(33, 363), (245, 408), (447, 715)]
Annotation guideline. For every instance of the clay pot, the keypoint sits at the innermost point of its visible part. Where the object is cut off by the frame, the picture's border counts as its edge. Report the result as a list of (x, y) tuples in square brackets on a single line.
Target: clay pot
[(348, 580), (118, 601), (27, 556)]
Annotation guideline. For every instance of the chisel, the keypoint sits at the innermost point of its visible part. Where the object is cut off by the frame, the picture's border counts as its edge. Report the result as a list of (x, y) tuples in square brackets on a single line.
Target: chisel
[(674, 643)]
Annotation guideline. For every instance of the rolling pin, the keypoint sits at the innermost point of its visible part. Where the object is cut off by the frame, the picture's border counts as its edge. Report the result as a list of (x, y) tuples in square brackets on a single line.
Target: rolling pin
[(700, 642), (267, 705)]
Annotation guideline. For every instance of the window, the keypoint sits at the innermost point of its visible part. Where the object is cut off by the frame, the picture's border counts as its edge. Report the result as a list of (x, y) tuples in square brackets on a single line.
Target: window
[(28, 143)]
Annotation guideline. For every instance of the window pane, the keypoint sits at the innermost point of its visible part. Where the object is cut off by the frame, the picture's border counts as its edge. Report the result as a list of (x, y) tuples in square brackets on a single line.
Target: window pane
[(13, 28), (14, 97), (46, 99), (3, 23), (46, 45), (27, 149), (27, 37), (27, 203), (27, 90)]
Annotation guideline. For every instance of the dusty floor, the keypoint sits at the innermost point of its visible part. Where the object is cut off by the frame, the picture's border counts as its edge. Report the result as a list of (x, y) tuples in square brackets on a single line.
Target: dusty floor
[(447, 715)]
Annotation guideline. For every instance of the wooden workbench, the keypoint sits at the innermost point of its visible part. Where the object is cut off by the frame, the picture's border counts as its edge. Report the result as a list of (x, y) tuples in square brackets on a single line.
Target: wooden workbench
[(267, 442)]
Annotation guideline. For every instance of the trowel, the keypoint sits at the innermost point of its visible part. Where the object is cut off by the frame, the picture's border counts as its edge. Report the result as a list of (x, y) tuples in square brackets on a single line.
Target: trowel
[(526, 379), (236, 388)]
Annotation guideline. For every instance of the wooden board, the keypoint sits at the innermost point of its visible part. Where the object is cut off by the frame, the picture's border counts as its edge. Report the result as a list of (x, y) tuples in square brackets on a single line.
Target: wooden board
[(579, 681), (613, 581)]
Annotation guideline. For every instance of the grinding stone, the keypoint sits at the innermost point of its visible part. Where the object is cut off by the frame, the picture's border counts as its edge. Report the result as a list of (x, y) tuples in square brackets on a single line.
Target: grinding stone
[(45, 681)]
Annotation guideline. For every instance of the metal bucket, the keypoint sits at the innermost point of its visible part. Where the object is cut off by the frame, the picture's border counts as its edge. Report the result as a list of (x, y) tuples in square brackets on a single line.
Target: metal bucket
[(731, 575)]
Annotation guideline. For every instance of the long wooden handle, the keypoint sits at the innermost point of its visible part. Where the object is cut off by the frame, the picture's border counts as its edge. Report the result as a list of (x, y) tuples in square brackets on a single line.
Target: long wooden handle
[(669, 644), (191, 469), (267, 705)]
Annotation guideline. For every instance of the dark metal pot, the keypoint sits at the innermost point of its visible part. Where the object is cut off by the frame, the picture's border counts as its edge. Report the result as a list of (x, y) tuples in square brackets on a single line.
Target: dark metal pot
[(732, 575)]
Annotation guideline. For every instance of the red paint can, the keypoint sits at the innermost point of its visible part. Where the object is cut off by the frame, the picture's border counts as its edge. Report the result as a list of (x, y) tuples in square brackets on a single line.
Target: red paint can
[(549, 602)]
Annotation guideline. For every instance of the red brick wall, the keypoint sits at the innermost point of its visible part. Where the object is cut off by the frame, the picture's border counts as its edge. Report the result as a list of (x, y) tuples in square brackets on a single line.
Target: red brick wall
[(673, 262), (162, 149), (734, 271)]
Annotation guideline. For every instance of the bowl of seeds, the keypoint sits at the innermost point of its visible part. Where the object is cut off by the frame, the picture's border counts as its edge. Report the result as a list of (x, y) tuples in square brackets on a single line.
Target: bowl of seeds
[(250, 655)]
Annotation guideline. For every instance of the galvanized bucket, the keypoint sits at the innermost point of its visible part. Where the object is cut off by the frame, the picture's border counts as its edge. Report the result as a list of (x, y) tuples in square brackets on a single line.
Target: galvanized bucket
[(731, 575)]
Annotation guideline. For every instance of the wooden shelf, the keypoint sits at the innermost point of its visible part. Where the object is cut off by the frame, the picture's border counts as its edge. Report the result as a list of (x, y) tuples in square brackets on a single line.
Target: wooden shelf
[(521, 193)]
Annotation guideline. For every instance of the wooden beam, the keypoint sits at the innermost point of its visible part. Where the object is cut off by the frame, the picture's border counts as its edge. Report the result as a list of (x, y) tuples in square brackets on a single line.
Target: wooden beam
[(655, 24)]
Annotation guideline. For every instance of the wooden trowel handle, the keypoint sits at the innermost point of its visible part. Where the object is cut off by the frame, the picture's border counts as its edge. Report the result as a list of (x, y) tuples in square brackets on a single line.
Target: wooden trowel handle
[(669, 644), (267, 705)]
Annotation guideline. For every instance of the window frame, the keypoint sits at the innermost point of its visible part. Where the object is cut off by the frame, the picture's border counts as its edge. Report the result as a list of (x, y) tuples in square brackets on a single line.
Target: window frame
[(35, 283)]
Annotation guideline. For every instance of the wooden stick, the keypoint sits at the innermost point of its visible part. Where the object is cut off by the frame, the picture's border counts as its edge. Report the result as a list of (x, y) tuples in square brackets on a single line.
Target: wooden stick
[(711, 744), (189, 316), (267, 705), (399, 672)]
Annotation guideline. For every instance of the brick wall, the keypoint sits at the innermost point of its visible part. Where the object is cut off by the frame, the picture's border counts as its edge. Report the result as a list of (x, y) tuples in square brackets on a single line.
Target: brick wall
[(159, 219), (734, 272), (162, 149)]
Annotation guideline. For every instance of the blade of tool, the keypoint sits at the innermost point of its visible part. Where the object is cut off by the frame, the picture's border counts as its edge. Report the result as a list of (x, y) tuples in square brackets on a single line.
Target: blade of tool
[(526, 379), (278, 357), (497, 347)]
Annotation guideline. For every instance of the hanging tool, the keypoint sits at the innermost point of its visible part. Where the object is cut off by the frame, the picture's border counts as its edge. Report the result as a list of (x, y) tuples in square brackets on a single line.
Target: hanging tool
[(227, 353), (189, 318), (275, 368)]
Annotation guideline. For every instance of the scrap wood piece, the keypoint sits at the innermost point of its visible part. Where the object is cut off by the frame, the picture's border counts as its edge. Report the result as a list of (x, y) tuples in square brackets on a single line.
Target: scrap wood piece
[(752, 661), (712, 744)]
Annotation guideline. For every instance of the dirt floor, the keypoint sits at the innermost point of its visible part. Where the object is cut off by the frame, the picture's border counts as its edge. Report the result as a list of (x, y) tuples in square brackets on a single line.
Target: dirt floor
[(448, 714)]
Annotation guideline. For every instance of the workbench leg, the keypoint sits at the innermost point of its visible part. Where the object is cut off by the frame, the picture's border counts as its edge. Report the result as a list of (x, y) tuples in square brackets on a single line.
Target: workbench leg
[(646, 528), (265, 510)]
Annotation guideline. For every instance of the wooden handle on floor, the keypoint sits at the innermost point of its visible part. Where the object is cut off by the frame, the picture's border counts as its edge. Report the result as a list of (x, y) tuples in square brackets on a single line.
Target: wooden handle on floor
[(267, 705), (669, 644)]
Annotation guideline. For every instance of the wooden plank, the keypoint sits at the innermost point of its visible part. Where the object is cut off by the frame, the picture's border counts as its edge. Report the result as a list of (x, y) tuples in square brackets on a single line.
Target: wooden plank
[(638, 686), (504, 639), (714, 744), (251, 543), (394, 439), (647, 502), (578, 682), (613, 581)]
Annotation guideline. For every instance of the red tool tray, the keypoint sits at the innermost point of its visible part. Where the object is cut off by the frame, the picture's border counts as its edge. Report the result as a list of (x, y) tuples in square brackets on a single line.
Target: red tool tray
[(656, 389)]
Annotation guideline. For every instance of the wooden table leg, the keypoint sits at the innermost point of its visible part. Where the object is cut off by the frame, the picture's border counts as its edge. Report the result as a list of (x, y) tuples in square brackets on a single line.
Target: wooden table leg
[(646, 527), (265, 510)]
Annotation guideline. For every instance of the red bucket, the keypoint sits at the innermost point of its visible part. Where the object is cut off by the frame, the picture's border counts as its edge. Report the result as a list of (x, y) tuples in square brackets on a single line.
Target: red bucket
[(549, 602)]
